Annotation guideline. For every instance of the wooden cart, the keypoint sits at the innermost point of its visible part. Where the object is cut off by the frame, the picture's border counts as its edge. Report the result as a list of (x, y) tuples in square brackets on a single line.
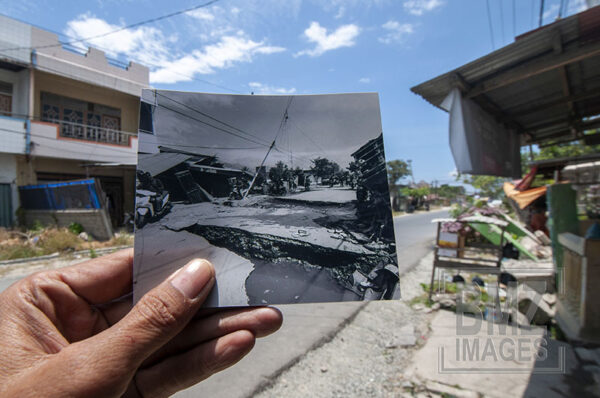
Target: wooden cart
[(478, 258)]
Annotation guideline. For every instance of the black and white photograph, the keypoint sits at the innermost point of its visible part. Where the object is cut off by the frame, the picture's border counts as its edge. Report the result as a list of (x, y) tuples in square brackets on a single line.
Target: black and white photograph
[(287, 196)]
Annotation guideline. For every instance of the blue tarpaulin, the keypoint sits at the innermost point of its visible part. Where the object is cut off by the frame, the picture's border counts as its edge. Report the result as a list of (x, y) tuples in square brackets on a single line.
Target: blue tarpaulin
[(78, 194)]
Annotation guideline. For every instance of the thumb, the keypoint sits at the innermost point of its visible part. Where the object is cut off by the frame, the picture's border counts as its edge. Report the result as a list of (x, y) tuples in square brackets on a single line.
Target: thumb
[(161, 313)]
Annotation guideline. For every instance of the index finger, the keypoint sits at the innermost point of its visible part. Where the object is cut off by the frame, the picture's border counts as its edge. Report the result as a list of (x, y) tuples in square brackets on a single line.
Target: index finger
[(102, 279)]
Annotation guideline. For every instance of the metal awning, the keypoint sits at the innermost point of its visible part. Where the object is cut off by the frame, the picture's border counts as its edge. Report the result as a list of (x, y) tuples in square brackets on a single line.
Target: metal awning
[(545, 85), (158, 163)]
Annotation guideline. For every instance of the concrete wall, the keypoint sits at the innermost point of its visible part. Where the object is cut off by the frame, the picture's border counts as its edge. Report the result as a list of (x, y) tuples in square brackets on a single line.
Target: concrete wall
[(15, 35), (13, 137), (95, 222), (128, 104), (8, 175)]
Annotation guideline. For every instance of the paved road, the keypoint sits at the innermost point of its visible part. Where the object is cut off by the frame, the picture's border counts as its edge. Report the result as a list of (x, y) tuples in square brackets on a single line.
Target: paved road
[(415, 235), (307, 325), (6, 282)]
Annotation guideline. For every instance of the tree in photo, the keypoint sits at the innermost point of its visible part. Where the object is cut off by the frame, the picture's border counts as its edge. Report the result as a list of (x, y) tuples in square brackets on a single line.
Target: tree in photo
[(278, 175), (324, 168)]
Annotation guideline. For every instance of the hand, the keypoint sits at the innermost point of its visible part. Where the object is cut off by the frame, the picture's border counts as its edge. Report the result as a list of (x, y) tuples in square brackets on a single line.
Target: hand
[(71, 333)]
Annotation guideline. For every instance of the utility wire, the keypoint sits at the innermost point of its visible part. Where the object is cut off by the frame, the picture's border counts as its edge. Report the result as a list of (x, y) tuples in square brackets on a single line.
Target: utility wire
[(514, 19), (208, 116), (134, 25), (561, 9), (106, 50), (489, 15), (503, 40), (212, 125)]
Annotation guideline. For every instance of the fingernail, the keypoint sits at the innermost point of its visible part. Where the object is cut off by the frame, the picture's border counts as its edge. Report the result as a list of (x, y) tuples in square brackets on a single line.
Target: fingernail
[(192, 278)]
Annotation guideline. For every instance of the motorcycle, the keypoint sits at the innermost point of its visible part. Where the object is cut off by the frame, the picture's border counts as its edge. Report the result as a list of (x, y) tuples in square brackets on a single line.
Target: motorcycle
[(150, 206)]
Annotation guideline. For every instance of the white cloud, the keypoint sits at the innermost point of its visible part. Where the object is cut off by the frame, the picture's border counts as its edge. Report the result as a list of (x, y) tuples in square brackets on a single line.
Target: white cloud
[(396, 32), (341, 12), (144, 44), (364, 80), (420, 7), (149, 46), (202, 14), (223, 54), (342, 37), (260, 88), (551, 12), (576, 6), (453, 173)]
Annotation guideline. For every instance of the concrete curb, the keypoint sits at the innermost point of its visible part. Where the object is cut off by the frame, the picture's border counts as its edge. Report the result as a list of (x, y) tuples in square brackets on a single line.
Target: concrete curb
[(103, 250), (267, 383)]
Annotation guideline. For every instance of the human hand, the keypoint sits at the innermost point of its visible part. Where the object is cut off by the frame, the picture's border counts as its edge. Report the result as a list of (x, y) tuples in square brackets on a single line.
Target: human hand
[(66, 333)]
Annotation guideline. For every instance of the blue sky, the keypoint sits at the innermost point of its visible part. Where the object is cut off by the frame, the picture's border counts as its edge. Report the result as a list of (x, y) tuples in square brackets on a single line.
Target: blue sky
[(308, 47)]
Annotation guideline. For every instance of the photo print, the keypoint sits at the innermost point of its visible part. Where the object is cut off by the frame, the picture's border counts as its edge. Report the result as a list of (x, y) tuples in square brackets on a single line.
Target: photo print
[(286, 196)]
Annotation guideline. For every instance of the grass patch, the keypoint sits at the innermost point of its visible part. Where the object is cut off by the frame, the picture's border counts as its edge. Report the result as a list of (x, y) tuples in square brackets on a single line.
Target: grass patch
[(121, 239), (43, 241)]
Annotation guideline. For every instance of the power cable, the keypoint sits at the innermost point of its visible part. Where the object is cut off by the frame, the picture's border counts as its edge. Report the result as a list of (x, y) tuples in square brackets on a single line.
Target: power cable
[(514, 19), (502, 21), (208, 116), (134, 25), (489, 15), (190, 77), (212, 125)]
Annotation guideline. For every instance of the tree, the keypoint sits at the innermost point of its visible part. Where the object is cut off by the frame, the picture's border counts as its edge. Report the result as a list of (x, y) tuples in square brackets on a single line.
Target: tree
[(450, 191), (278, 176), (324, 168), (396, 170), (490, 186)]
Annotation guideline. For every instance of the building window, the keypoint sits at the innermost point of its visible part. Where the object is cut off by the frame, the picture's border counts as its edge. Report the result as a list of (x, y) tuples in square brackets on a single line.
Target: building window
[(83, 120), (6, 90)]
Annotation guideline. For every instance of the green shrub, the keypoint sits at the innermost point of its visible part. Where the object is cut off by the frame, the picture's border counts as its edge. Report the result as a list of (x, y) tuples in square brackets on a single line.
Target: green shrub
[(37, 226), (75, 228)]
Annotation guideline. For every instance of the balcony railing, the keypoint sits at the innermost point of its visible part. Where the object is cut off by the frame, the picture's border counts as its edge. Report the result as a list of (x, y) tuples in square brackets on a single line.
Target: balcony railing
[(92, 133)]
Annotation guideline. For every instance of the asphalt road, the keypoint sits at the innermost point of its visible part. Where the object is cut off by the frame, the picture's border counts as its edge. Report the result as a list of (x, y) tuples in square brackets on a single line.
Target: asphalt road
[(415, 235)]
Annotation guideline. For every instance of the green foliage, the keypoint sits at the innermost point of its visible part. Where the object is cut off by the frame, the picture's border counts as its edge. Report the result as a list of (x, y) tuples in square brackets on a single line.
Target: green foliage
[(75, 228), (416, 192), (93, 253), (396, 170), (324, 168), (450, 191), (490, 186), (37, 226)]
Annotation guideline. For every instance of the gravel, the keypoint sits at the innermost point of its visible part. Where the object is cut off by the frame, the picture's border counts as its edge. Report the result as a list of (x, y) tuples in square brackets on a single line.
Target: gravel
[(367, 357)]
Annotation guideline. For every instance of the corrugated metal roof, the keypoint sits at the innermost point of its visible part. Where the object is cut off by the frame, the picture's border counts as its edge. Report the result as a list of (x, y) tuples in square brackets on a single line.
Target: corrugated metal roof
[(160, 162), (545, 84)]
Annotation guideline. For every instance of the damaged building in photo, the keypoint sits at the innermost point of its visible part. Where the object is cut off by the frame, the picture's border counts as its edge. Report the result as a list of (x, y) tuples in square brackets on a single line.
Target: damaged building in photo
[(317, 238)]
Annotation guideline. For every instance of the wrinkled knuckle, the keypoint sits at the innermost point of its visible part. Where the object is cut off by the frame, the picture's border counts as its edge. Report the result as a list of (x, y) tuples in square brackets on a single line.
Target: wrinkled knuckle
[(203, 367), (158, 312)]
